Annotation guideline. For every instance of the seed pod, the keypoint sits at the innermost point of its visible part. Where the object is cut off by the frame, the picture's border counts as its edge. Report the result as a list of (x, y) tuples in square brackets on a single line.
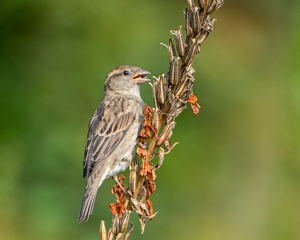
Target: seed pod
[(202, 3), (155, 119), (154, 95), (190, 52), (171, 49), (132, 180), (191, 4), (116, 224), (167, 77), (195, 21), (174, 71), (125, 219), (179, 41), (211, 7), (208, 24), (102, 231), (219, 4), (166, 133), (188, 28), (161, 90), (202, 36), (182, 85)]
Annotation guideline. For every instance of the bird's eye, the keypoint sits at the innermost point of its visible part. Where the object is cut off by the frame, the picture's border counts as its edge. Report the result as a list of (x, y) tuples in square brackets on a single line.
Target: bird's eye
[(125, 72)]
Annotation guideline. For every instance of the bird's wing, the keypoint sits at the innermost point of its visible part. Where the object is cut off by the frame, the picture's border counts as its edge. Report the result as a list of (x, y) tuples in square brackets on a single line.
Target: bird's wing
[(107, 128)]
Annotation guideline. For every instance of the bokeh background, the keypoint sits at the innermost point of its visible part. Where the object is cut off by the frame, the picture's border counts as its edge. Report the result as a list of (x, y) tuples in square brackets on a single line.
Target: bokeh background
[(235, 173)]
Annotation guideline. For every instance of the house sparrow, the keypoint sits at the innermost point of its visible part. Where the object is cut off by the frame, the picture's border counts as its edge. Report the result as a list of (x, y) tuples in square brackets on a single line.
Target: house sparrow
[(113, 131)]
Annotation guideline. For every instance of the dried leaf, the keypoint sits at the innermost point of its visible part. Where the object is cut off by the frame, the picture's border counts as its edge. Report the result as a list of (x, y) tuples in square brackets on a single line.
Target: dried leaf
[(145, 168), (141, 152), (150, 206), (118, 208), (192, 99), (195, 106), (147, 109)]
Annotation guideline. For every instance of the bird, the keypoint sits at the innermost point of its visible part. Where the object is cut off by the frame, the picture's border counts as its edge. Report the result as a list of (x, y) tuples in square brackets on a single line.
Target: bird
[(112, 131)]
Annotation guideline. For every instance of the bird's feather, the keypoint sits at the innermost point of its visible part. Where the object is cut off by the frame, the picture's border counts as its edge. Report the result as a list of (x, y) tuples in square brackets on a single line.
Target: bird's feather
[(105, 135)]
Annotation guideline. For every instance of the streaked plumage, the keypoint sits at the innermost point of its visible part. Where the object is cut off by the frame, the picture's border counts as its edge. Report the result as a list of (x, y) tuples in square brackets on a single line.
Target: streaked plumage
[(112, 131)]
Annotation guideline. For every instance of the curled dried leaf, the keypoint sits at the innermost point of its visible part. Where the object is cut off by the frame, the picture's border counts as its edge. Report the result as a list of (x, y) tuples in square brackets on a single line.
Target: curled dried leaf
[(141, 152), (147, 109)]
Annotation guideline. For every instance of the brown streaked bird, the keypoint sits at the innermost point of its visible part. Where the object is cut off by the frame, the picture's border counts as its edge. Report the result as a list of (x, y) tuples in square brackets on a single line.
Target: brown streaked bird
[(113, 131)]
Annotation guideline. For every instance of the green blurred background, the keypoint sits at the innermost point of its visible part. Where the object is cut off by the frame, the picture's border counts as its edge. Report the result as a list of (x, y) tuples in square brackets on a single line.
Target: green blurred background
[(235, 173)]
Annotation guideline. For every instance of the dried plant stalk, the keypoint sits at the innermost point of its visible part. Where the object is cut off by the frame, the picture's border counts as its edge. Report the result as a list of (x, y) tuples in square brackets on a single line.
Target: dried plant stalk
[(171, 92)]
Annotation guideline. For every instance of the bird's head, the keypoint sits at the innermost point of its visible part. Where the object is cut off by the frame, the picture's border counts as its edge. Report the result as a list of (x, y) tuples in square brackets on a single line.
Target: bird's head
[(126, 79)]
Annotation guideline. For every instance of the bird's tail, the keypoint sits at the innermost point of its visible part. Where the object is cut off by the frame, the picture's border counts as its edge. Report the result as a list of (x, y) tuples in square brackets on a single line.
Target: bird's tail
[(87, 205), (93, 183)]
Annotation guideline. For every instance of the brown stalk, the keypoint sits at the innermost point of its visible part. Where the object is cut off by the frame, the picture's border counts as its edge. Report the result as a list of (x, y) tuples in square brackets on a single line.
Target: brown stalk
[(171, 92)]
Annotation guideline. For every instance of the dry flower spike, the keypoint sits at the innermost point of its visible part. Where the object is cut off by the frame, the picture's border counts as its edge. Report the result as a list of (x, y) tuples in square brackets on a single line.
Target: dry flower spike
[(170, 92)]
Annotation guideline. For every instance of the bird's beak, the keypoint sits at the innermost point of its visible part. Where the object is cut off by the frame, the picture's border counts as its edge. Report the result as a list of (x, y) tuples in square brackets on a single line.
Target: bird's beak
[(140, 77)]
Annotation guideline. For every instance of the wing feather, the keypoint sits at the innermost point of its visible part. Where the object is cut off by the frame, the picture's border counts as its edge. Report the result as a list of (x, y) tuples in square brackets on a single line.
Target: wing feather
[(106, 130)]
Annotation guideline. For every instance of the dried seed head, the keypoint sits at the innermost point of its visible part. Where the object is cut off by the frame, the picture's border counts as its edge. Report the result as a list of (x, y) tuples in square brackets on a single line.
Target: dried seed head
[(161, 90), (116, 225), (166, 133), (102, 231), (190, 52), (219, 4), (211, 7), (174, 71), (201, 38), (154, 89), (179, 41), (188, 28), (195, 20), (125, 219), (208, 24), (155, 119), (132, 180), (191, 4), (202, 3), (171, 49), (183, 85)]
